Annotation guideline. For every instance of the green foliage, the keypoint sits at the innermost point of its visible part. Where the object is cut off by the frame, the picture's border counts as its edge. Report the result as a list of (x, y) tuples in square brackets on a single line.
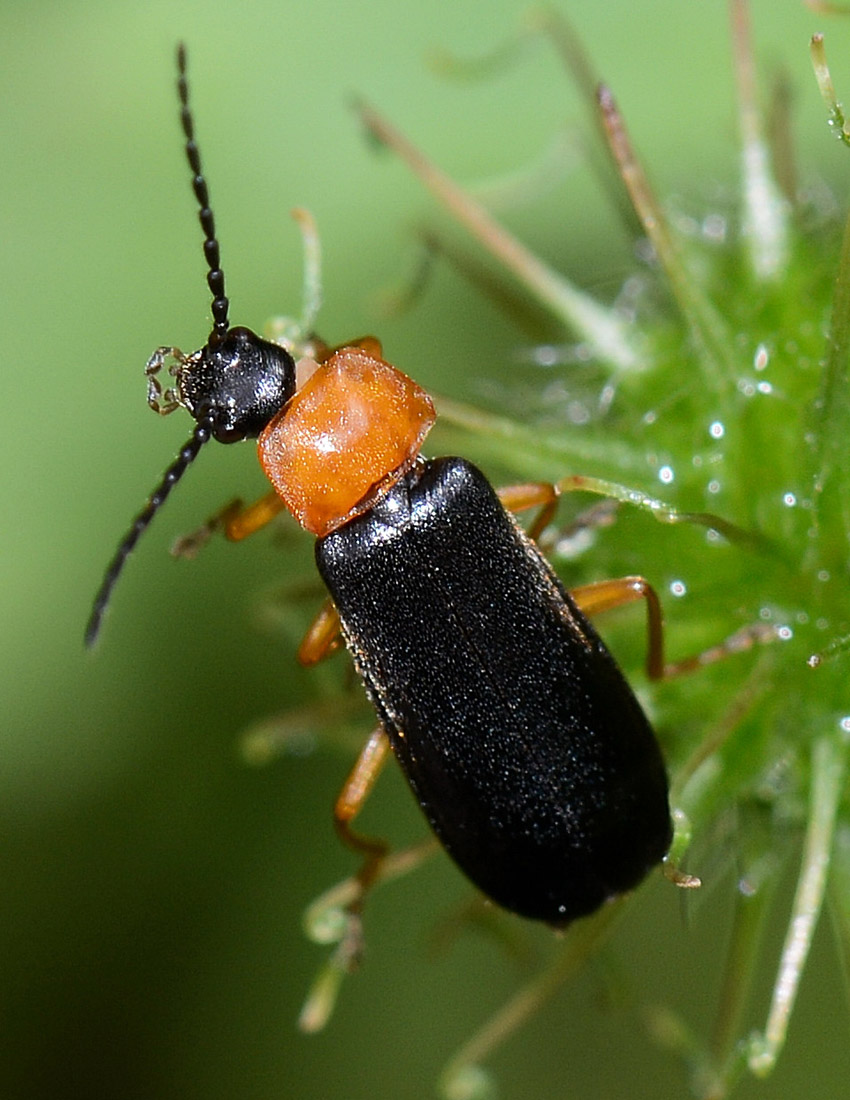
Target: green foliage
[(153, 884), (724, 391)]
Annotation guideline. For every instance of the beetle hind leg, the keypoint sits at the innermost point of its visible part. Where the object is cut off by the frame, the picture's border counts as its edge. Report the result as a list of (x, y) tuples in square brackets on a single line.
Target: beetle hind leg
[(336, 916), (350, 801)]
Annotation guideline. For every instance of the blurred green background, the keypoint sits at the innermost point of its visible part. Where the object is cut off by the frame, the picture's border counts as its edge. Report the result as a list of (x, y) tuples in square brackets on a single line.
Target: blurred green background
[(152, 883)]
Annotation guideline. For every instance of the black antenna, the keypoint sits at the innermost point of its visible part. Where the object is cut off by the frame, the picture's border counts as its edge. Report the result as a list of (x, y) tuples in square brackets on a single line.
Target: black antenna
[(215, 276), (232, 386), (188, 454)]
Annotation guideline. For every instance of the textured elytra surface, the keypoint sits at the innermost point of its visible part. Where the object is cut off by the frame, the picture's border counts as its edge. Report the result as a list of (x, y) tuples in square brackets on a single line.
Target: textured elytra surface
[(523, 743)]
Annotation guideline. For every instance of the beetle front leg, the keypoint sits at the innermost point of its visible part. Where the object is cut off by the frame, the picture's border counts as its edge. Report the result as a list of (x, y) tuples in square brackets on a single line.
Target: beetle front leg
[(545, 496), (236, 521)]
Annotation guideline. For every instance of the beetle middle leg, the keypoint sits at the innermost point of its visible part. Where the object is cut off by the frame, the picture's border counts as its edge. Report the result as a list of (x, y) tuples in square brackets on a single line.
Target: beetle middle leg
[(349, 803), (535, 494), (606, 595), (323, 636), (609, 594)]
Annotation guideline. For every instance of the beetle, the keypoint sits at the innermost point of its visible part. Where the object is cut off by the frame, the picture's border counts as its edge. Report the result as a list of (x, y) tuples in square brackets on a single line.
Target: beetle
[(518, 734)]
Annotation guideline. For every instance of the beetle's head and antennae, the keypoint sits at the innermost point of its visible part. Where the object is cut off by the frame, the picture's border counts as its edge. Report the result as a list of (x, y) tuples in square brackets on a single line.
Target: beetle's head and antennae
[(232, 386)]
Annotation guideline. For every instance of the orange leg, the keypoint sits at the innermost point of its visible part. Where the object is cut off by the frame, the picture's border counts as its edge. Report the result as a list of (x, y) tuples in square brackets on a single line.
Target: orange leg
[(322, 638), (241, 520), (545, 496), (606, 595), (350, 801), (534, 494), (335, 917), (236, 521), (377, 862)]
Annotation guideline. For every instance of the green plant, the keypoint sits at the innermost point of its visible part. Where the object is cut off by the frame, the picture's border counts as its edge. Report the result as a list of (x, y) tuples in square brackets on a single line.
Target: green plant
[(711, 400)]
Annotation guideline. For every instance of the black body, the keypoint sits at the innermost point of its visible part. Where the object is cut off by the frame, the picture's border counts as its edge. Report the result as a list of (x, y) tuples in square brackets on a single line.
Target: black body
[(522, 741)]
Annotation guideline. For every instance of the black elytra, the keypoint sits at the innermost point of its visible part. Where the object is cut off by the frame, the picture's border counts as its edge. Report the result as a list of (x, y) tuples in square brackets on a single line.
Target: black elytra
[(521, 739)]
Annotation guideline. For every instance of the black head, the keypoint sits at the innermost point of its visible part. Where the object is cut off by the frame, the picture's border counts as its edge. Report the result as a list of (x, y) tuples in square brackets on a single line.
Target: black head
[(232, 386), (240, 382)]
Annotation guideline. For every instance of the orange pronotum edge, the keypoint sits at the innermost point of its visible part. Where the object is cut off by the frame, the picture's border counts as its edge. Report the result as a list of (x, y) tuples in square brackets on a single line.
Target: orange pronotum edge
[(352, 430)]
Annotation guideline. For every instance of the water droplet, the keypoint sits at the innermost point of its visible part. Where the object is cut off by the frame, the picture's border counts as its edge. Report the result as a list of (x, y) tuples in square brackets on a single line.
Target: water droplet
[(789, 499), (714, 228), (678, 588), (578, 412), (746, 887), (716, 429), (762, 358), (546, 355), (666, 475)]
